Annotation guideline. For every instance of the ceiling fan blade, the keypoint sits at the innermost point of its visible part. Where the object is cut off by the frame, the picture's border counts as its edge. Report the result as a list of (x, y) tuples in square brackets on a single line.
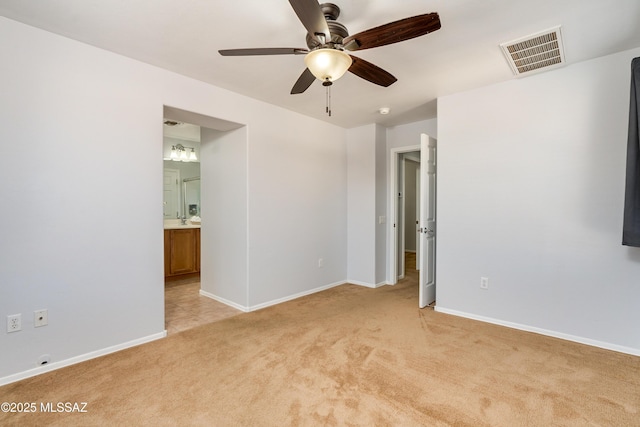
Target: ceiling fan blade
[(264, 51), (303, 83), (394, 32), (312, 18), (370, 72)]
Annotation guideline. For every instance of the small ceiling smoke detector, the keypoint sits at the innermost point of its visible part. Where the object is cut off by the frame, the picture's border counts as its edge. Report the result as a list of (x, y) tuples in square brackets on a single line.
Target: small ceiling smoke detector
[(384, 110), (541, 51)]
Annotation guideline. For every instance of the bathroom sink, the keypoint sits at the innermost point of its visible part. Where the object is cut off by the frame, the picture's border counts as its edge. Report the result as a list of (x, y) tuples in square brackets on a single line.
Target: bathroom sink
[(170, 224)]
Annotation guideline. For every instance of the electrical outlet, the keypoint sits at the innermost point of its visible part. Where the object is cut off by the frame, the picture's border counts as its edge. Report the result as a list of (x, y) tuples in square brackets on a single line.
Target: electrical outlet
[(40, 318), (14, 323), (484, 283), (320, 262)]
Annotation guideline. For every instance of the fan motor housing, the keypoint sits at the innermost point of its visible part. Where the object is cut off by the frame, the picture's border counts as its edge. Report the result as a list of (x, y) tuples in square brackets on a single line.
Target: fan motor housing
[(338, 31)]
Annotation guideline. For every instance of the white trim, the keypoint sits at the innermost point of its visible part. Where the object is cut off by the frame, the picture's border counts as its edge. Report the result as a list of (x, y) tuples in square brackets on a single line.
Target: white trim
[(402, 218), (554, 334), (367, 285), (270, 303), (392, 181), (224, 301), (295, 296), (81, 358), (248, 210)]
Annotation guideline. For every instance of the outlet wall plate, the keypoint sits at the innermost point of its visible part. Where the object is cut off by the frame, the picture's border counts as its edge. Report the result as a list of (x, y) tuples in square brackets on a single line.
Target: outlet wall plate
[(40, 318), (14, 322)]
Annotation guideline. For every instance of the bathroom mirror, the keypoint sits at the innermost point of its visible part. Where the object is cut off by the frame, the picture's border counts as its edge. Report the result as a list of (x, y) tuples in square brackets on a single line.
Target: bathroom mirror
[(181, 194), (181, 153), (191, 193)]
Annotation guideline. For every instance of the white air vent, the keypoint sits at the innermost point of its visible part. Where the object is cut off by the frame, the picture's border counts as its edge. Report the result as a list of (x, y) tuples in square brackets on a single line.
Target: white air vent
[(537, 52)]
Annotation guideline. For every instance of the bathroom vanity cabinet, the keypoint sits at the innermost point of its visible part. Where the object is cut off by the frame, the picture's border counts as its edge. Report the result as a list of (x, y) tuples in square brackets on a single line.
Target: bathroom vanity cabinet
[(181, 252)]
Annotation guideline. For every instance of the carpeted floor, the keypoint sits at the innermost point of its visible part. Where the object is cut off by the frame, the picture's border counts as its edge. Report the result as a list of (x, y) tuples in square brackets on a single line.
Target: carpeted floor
[(346, 356)]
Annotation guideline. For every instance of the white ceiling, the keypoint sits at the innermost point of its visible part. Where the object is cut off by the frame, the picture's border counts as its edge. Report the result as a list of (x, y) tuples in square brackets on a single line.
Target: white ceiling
[(184, 36)]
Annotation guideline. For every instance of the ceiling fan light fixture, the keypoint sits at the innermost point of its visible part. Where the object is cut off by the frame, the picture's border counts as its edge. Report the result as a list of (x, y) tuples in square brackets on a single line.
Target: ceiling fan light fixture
[(328, 64)]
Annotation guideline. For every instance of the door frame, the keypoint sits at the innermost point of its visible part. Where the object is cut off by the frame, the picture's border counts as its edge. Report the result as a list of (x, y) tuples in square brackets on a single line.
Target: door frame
[(394, 230)]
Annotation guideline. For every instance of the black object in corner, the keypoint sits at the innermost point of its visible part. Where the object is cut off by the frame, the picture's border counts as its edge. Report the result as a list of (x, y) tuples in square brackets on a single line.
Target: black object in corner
[(631, 223)]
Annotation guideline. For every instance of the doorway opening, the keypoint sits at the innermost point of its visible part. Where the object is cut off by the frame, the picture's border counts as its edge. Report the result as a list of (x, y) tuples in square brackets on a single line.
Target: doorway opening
[(413, 194), (409, 212), (186, 200)]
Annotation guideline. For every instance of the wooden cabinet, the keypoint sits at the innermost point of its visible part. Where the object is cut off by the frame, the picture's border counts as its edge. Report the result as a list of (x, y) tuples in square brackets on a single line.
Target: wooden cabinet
[(181, 252)]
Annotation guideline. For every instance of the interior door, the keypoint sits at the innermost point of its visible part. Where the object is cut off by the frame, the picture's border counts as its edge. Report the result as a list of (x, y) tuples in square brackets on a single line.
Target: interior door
[(417, 225), (427, 277), (171, 193)]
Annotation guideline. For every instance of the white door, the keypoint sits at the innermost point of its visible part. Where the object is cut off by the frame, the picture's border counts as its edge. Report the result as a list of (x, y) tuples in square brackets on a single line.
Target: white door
[(417, 222), (427, 279), (171, 198)]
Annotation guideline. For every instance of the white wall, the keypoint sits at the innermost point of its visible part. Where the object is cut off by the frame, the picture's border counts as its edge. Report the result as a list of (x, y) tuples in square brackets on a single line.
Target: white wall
[(361, 183), (381, 204), (224, 233), (367, 193), (297, 206), (530, 195), (74, 251), (408, 135)]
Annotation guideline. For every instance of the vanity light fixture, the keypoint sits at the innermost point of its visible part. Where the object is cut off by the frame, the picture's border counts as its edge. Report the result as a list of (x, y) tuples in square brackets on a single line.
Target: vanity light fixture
[(179, 154)]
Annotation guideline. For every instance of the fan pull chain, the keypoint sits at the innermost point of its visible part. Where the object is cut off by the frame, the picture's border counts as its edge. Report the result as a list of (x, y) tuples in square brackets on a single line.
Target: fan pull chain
[(326, 100), (327, 83)]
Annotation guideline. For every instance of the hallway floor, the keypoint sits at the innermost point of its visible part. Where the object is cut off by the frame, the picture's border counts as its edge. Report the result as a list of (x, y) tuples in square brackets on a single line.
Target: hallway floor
[(185, 308)]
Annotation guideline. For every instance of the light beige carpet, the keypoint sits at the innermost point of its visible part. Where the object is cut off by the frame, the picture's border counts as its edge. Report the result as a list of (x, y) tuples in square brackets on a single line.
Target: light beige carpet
[(346, 356)]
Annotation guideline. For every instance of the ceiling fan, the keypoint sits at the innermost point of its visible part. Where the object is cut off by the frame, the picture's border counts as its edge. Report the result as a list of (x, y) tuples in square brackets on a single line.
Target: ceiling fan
[(327, 41)]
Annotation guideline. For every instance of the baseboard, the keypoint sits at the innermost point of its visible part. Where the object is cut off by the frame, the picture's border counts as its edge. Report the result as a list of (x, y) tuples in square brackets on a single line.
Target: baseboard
[(77, 359), (269, 303), (367, 285), (295, 296), (224, 301), (554, 334)]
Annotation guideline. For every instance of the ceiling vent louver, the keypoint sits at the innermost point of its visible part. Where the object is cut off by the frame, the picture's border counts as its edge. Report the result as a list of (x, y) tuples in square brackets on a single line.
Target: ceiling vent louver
[(537, 52)]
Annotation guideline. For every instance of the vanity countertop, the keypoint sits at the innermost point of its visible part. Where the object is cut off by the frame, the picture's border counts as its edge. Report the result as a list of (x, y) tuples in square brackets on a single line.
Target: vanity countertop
[(172, 224)]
